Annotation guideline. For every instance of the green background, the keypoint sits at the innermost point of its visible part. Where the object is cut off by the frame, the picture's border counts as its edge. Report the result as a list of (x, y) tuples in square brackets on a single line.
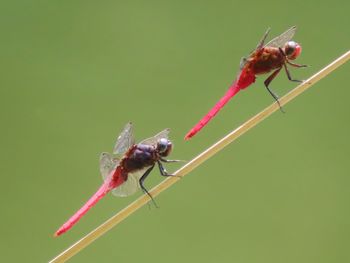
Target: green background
[(74, 72)]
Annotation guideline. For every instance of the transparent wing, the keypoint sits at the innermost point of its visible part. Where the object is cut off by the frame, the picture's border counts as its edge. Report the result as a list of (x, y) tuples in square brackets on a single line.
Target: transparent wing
[(262, 41), (283, 38), (107, 165), (242, 63), (153, 140), (125, 140), (131, 185)]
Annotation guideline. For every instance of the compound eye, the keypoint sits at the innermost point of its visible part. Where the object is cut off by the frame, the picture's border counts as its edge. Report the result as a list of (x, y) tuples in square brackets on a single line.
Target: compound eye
[(162, 145), (292, 49)]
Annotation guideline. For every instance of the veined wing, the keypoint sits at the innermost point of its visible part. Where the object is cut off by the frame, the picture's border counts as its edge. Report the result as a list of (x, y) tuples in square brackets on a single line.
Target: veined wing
[(131, 185), (125, 140), (153, 140), (107, 165), (283, 38)]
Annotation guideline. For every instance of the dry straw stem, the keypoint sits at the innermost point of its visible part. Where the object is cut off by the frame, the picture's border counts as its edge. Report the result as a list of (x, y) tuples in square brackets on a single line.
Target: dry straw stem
[(116, 219)]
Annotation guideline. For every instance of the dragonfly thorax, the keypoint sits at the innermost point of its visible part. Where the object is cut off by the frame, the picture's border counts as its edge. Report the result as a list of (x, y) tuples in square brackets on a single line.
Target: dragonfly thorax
[(139, 157)]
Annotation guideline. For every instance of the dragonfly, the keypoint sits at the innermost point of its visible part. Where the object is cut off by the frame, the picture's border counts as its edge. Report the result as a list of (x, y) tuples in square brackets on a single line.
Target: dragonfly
[(270, 57), (125, 171)]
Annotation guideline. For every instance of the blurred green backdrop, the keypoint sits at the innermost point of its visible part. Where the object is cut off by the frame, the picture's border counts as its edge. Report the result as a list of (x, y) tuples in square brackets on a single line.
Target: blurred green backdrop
[(74, 72)]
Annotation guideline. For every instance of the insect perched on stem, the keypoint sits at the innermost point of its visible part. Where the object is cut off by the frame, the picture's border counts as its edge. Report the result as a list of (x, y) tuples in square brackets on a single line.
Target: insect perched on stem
[(273, 56), (123, 176)]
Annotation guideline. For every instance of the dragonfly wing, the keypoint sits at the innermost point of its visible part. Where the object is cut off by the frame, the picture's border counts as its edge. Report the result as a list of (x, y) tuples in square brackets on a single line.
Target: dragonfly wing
[(125, 140), (153, 140), (131, 185), (243, 62), (283, 38), (262, 41), (107, 165)]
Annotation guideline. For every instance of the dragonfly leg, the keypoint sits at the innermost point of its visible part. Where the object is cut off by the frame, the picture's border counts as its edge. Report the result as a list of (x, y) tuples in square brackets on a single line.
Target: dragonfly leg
[(267, 83), (296, 65), (288, 74), (262, 41), (164, 172), (142, 179)]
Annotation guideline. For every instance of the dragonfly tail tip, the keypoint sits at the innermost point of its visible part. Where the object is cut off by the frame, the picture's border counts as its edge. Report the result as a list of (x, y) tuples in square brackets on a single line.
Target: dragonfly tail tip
[(188, 136), (58, 233)]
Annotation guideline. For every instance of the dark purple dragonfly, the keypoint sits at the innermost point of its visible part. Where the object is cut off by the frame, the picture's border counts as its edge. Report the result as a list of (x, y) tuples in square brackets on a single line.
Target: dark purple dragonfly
[(125, 171)]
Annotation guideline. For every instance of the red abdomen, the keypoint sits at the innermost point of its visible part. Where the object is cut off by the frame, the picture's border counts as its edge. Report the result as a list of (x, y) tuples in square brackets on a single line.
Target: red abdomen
[(119, 177)]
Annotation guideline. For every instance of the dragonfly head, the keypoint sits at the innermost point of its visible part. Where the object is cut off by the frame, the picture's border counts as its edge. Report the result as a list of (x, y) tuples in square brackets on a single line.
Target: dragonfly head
[(164, 147), (292, 50)]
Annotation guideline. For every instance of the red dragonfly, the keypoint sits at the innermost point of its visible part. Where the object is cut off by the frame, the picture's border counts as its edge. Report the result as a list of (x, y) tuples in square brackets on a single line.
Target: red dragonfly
[(126, 169), (273, 56)]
